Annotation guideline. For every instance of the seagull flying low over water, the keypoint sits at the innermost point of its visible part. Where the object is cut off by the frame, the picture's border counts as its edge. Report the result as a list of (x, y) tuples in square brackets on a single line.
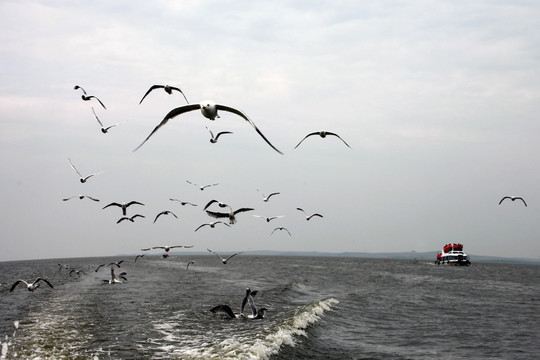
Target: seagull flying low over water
[(322, 134), (167, 248), (166, 212), (183, 203), (114, 280), (30, 286), (138, 256), (80, 197), (310, 216), (231, 215), (513, 198), (224, 260), (189, 263), (85, 96), (255, 313), (103, 128), (83, 179), (168, 89), (214, 139), (203, 186), (78, 272), (132, 219), (209, 110), (123, 205), (266, 198), (212, 225), (281, 228)]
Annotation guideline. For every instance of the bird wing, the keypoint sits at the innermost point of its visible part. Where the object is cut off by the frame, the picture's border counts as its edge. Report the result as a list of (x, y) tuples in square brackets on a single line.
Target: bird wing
[(210, 203), (150, 90), (217, 214), (242, 210), (45, 280), (158, 215), (17, 283), (74, 168), (215, 253), (222, 133), (134, 203), (146, 249), (506, 197), (224, 308), (244, 116), (91, 198), (95, 97), (520, 198), (158, 247), (201, 226), (272, 194), (137, 215), (99, 267), (331, 133), (170, 115), (112, 204), (71, 197), (308, 135), (312, 215), (181, 92), (78, 87), (233, 255), (99, 121), (122, 219), (302, 210)]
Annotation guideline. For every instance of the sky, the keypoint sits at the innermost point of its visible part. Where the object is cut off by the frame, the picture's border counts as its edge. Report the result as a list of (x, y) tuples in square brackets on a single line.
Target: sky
[(439, 102)]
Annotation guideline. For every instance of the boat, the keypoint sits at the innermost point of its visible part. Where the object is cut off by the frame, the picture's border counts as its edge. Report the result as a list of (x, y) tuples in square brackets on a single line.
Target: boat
[(453, 254)]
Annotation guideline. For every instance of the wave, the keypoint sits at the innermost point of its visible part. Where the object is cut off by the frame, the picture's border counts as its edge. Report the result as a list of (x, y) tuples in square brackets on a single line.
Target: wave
[(269, 341)]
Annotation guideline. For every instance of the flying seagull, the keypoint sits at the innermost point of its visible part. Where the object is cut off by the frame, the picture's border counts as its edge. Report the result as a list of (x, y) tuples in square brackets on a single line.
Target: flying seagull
[(138, 256), (123, 205), (116, 263), (220, 204), (268, 219), (322, 134), (214, 139), (166, 212), (224, 260), (85, 96), (189, 263), (201, 187), (266, 198), (103, 128), (168, 89), (114, 280), (30, 286), (183, 203), (310, 216), (167, 248), (80, 197), (132, 219), (513, 198), (212, 225), (209, 110), (281, 228), (83, 179), (231, 215), (78, 272)]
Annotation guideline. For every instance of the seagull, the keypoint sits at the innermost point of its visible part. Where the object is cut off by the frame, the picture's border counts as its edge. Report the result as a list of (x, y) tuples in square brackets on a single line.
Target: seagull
[(104, 129), (209, 110), (322, 134), (513, 198), (268, 219), (227, 310), (220, 204), (78, 272), (224, 261), (266, 198), (123, 205), (201, 187), (167, 248), (168, 89), (183, 203), (310, 216), (189, 263), (249, 294), (88, 98), (30, 286), (132, 219), (80, 197), (117, 263), (281, 228), (230, 215), (60, 267), (138, 256), (212, 225), (166, 212), (213, 139), (83, 179), (114, 280)]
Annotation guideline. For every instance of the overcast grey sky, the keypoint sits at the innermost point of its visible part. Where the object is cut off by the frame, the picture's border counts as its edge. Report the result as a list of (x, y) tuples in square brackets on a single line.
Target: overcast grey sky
[(438, 100)]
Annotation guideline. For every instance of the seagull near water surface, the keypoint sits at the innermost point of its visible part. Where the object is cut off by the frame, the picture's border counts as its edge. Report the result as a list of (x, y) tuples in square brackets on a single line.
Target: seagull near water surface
[(85, 96), (31, 286), (209, 109), (513, 198), (168, 89), (323, 134), (224, 260)]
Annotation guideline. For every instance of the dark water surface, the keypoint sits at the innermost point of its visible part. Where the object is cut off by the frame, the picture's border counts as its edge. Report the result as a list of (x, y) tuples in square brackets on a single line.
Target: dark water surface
[(319, 308)]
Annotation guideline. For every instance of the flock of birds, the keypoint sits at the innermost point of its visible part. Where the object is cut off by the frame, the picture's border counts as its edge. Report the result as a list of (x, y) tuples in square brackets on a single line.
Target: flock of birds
[(209, 110)]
